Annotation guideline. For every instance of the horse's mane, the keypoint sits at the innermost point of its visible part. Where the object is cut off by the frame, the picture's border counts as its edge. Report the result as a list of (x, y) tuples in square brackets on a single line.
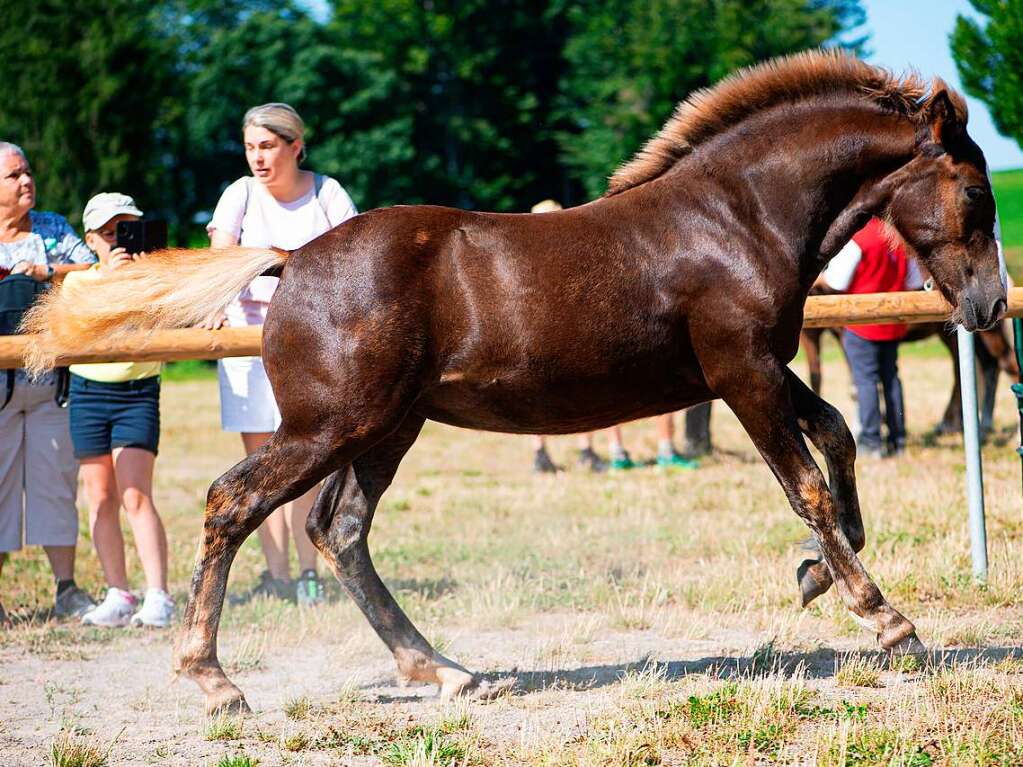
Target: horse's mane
[(710, 111)]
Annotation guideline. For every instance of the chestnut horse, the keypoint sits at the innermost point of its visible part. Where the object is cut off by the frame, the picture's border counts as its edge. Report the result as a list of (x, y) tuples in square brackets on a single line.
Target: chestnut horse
[(684, 283)]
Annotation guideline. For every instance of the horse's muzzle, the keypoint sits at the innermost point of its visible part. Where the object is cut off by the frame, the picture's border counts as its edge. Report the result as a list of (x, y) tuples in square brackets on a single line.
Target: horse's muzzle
[(980, 313)]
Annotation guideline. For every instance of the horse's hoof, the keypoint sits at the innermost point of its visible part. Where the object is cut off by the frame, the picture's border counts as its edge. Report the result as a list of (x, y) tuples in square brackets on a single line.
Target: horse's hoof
[(899, 638), (487, 690), (809, 587), (455, 682), (910, 645), (231, 703)]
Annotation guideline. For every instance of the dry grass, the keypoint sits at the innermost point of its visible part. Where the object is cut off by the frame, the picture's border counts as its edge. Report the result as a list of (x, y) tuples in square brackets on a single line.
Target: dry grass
[(649, 618)]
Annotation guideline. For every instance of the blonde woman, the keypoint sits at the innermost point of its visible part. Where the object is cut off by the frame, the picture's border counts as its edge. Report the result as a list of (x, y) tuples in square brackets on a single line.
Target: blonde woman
[(279, 205)]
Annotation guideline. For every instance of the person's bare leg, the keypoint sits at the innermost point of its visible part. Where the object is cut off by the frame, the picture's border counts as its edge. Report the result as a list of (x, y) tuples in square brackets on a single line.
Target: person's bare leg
[(665, 428), (273, 533), (62, 561), (666, 437), (539, 442), (296, 513), (100, 485), (133, 468)]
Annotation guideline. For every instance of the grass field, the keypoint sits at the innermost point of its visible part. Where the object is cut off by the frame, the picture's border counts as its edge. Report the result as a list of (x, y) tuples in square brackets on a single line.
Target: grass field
[(645, 618), (1008, 186)]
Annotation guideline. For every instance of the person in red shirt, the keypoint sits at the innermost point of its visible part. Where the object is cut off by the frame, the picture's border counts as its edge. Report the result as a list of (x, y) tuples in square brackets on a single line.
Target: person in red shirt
[(871, 263)]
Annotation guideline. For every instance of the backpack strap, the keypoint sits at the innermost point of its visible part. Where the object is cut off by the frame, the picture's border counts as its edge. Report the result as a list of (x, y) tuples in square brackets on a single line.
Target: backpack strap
[(318, 179), (63, 376)]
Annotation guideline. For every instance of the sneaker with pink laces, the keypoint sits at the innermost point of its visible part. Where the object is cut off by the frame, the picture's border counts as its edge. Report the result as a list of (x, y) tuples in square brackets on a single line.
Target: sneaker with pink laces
[(115, 609), (157, 610)]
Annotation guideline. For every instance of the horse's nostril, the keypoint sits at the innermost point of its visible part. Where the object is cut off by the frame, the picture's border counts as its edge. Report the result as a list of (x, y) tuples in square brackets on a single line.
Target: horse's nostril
[(999, 309)]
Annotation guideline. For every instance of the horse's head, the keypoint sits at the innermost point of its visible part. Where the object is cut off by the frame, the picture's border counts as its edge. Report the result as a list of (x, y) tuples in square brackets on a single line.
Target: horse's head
[(942, 205)]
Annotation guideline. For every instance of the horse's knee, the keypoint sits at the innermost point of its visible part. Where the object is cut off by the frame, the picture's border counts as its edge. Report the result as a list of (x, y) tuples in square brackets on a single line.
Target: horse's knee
[(814, 502), (835, 436)]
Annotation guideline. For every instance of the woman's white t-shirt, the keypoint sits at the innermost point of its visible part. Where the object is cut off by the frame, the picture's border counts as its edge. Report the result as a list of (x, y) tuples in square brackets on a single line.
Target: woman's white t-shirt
[(248, 212)]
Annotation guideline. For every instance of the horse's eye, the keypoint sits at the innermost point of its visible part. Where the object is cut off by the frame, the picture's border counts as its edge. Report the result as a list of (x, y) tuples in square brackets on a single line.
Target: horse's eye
[(974, 193)]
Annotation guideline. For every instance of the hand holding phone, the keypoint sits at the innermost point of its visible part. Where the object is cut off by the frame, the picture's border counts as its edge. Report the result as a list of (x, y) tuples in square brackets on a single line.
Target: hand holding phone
[(142, 236), (119, 257)]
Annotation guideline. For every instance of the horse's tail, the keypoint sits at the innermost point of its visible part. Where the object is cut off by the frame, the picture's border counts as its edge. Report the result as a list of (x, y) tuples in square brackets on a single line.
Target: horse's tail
[(171, 288)]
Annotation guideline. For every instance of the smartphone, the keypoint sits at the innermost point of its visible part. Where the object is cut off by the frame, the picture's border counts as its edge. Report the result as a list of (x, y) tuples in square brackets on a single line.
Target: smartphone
[(142, 236)]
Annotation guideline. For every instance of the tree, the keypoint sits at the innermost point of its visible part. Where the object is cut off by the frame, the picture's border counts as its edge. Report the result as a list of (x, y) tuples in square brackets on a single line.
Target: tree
[(84, 96), (476, 80), (989, 57), (629, 62)]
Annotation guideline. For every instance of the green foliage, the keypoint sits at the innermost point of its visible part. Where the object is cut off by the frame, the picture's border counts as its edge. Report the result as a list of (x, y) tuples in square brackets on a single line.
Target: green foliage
[(1008, 188), (87, 91), (474, 87), (989, 58), (631, 62), (470, 103)]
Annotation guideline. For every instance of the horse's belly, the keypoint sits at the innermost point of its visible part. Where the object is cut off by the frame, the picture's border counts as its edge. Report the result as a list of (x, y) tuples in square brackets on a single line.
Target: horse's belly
[(510, 406)]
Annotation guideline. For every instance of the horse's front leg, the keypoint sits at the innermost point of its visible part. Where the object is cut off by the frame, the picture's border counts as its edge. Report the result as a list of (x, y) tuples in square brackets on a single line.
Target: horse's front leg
[(761, 397), (826, 428)]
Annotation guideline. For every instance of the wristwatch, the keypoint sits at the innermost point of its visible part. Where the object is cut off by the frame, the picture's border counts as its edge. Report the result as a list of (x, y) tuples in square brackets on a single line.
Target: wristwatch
[(49, 271)]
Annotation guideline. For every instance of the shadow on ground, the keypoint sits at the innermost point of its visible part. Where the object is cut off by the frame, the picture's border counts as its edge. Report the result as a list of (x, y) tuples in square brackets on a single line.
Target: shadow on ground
[(818, 664)]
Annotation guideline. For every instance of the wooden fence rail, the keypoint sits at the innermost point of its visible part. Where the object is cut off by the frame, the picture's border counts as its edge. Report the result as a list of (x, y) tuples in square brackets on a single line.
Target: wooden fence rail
[(191, 344)]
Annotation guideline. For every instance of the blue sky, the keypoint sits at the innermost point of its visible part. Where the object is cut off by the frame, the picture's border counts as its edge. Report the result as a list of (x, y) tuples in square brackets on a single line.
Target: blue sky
[(914, 33)]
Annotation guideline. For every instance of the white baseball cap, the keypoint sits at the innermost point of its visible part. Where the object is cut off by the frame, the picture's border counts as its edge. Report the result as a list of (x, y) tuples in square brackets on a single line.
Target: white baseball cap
[(105, 206), (546, 206)]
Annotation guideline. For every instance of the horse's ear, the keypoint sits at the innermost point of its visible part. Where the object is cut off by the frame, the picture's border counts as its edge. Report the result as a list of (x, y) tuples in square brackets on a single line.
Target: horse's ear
[(942, 119)]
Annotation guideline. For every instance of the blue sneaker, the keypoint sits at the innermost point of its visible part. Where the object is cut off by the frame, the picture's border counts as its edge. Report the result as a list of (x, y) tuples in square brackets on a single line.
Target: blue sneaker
[(676, 461), (623, 463)]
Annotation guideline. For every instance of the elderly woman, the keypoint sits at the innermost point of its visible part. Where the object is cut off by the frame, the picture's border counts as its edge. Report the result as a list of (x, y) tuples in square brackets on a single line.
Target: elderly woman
[(279, 205), (38, 472)]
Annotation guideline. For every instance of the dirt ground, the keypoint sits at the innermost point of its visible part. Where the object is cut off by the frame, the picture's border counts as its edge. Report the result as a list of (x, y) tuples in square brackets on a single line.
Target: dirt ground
[(644, 618)]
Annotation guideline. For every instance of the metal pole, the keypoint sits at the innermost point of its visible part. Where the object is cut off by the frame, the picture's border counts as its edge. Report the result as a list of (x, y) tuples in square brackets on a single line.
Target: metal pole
[(971, 443)]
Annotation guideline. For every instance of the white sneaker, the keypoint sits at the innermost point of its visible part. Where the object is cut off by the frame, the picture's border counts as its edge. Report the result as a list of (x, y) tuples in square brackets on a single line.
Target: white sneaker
[(115, 609), (157, 610)]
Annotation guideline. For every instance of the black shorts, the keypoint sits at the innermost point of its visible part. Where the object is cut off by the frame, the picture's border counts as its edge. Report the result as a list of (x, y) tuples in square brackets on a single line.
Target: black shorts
[(105, 416)]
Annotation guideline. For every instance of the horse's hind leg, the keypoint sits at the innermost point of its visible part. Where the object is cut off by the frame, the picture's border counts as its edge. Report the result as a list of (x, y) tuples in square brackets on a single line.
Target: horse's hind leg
[(952, 420), (989, 370), (236, 504), (339, 527), (826, 428)]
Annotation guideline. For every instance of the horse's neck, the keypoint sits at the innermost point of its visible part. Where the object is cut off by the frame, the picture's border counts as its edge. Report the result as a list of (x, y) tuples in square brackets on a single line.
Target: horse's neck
[(802, 185)]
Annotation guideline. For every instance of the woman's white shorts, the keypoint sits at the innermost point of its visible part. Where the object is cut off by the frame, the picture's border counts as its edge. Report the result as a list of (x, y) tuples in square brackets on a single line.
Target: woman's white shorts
[(247, 402)]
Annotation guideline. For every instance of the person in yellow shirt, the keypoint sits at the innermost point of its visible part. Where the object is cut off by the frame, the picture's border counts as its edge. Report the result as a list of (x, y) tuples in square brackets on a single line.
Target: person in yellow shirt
[(115, 430)]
